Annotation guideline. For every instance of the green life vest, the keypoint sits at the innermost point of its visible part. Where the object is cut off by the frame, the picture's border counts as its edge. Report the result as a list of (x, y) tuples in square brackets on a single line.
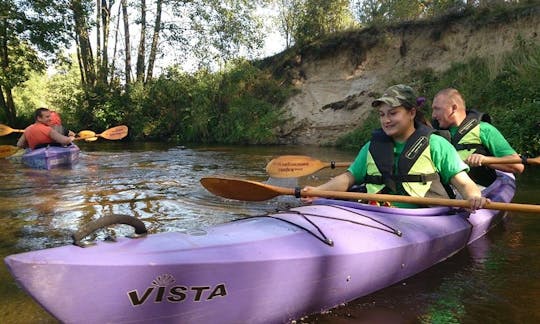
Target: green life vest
[(415, 172), (467, 141)]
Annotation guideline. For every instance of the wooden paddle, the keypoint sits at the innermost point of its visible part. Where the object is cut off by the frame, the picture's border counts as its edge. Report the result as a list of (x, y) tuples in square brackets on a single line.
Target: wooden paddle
[(7, 150), (294, 166), (255, 191), (6, 130), (114, 133)]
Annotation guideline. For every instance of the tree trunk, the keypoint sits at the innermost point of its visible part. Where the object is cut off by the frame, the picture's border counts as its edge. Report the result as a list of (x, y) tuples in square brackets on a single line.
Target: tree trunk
[(126, 41), (88, 74), (79, 60), (8, 105), (115, 49), (105, 22), (98, 32), (5, 91), (155, 39), (142, 49)]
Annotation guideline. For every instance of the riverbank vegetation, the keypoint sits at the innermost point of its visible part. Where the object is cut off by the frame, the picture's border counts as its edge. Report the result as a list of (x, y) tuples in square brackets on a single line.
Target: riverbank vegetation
[(230, 97)]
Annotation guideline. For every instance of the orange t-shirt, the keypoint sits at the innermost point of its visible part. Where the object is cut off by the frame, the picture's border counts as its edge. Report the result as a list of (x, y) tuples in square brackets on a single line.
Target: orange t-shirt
[(37, 134)]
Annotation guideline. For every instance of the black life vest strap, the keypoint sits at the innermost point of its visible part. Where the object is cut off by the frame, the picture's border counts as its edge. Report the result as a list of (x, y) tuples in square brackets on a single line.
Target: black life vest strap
[(423, 178), (479, 147), (444, 133), (472, 119), (415, 146)]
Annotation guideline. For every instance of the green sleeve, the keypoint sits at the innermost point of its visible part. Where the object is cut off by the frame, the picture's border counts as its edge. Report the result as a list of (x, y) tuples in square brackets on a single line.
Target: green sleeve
[(358, 167), (445, 158), (492, 138)]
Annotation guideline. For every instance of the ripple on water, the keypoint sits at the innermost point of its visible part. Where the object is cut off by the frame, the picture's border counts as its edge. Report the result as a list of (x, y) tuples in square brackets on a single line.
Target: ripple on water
[(160, 187)]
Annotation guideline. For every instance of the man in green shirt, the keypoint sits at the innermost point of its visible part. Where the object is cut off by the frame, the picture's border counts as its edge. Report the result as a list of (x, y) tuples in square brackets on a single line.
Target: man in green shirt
[(473, 137)]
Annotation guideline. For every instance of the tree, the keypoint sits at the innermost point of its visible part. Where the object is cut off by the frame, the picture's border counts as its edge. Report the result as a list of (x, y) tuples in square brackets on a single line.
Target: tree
[(141, 52), (26, 28), (207, 32), (372, 12), (81, 15), (287, 19), (127, 46), (155, 40), (382, 11), (304, 21), (204, 30), (213, 32)]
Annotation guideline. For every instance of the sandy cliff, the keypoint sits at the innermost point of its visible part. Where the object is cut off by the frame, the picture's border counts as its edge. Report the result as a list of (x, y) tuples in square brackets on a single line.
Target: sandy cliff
[(337, 83)]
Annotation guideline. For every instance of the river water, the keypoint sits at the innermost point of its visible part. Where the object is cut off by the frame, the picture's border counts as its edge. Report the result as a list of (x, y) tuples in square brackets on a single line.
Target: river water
[(496, 280)]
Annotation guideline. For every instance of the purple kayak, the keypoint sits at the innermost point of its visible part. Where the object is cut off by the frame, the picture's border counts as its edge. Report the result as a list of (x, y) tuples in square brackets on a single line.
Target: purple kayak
[(265, 269), (51, 157)]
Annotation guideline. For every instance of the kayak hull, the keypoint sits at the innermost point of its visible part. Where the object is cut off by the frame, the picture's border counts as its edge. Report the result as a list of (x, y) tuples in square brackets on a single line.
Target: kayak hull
[(269, 269), (51, 157)]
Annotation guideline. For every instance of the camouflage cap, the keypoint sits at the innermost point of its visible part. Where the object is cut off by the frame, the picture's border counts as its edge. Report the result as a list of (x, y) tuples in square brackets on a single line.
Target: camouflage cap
[(397, 95)]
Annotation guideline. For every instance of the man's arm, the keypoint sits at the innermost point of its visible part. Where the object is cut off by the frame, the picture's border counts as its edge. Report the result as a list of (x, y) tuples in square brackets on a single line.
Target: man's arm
[(476, 160), (497, 144), (59, 138), (469, 190), (22, 142)]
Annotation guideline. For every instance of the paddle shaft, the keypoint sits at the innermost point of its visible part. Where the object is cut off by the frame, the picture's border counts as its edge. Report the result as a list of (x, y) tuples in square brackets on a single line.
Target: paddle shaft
[(414, 200), (487, 160), (423, 200), (256, 191)]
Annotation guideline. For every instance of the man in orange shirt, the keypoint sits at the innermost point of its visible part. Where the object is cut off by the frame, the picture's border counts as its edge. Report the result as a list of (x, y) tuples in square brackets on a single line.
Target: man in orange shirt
[(41, 133)]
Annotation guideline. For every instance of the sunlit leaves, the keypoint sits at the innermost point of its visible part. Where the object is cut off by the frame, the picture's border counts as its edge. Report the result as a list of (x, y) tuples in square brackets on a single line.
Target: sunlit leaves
[(213, 32), (310, 20)]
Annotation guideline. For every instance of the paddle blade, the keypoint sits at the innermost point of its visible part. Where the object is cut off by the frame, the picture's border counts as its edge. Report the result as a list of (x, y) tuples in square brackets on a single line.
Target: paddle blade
[(242, 189), (91, 139), (115, 133), (7, 150), (293, 166), (6, 130), (85, 134)]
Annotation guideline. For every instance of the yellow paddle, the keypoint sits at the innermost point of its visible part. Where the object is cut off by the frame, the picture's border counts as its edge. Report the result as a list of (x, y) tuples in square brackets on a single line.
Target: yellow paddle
[(7, 150), (6, 130), (294, 166), (255, 191), (114, 133)]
